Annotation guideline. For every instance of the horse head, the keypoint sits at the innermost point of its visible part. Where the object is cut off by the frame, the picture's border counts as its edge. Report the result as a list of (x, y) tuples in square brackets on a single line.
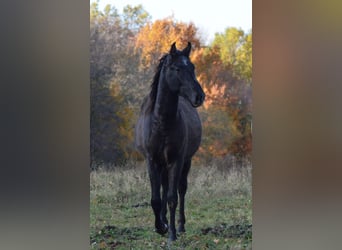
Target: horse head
[(180, 75)]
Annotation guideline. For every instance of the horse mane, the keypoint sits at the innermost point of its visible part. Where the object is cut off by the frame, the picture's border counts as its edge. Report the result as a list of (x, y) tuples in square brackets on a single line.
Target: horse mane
[(154, 85)]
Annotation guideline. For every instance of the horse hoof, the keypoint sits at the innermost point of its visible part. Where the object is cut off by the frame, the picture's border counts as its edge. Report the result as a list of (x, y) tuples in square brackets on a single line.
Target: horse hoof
[(181, 229), (172, 238), (162, 230), (170, 242)]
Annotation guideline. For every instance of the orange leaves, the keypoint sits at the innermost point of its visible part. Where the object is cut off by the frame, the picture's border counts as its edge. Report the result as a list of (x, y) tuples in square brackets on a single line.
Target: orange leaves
[(154, 39)]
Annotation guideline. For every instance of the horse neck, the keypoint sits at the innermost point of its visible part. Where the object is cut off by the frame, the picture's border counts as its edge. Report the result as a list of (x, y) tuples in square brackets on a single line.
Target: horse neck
[(166, 105)]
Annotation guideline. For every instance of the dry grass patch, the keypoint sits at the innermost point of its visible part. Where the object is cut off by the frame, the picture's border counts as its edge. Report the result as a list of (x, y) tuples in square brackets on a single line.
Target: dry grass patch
[(218, 209)]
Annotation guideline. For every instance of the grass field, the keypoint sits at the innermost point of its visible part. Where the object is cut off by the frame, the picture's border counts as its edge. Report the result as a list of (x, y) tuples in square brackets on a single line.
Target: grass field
[(218, 209)]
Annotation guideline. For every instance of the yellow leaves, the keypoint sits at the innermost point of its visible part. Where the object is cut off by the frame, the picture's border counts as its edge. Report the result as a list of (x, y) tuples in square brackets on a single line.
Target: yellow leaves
[(235, 51)]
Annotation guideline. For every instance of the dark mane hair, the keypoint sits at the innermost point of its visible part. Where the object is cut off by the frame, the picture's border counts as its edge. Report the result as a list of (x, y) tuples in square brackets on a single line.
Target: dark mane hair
[(154, 85)]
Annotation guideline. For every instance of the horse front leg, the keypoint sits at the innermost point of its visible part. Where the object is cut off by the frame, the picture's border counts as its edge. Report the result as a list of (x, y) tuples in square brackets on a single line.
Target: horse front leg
[(165, 185), (155, 180), (172, 197), (183, 185)]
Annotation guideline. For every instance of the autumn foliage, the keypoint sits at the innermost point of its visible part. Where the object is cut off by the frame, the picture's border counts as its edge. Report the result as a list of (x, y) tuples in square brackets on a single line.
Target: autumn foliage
[(125, 49), (155, 39)]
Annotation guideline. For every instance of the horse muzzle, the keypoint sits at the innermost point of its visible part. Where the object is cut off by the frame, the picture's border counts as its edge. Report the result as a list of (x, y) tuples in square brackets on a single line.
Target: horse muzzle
[(198, 100)]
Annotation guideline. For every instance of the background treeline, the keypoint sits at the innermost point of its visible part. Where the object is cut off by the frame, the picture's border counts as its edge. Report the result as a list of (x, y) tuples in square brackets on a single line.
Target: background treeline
[(124, 51)]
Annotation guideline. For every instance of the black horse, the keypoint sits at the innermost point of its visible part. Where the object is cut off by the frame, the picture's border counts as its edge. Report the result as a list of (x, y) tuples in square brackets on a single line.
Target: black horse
[(168, 133)]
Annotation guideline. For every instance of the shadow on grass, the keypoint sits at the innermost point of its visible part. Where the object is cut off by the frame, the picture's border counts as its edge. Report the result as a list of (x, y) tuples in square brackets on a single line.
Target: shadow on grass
[(243, 231), (112, 236)]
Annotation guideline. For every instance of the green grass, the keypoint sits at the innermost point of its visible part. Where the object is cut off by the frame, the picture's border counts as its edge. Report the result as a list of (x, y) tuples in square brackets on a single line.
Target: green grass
[(218, 210)]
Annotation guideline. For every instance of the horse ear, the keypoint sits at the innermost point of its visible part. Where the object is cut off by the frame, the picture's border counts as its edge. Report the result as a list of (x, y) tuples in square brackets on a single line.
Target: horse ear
[(173, 49), (187, 50)]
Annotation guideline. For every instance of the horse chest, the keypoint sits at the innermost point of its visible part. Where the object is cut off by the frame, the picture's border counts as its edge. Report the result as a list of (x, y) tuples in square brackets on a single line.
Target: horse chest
[(172, 148), (167, 146)]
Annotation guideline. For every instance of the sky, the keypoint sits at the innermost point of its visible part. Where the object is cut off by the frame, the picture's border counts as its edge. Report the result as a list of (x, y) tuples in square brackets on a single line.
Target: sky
[(209, 16)]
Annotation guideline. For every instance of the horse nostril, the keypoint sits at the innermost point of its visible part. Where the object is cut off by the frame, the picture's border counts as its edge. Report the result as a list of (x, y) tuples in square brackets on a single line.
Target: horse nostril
[(198, 99), (201, 98)]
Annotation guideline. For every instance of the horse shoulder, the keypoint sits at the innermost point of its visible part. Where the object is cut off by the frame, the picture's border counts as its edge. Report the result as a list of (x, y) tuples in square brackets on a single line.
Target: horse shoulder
[(190, 113), (193, 127)]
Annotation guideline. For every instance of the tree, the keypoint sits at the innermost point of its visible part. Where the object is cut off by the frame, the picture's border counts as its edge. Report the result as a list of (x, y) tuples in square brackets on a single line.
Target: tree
[(105, 30), (112, 68), (135, 17), (235, 48), (224, 70), (154, 39), (109, 125), (244, 59)]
